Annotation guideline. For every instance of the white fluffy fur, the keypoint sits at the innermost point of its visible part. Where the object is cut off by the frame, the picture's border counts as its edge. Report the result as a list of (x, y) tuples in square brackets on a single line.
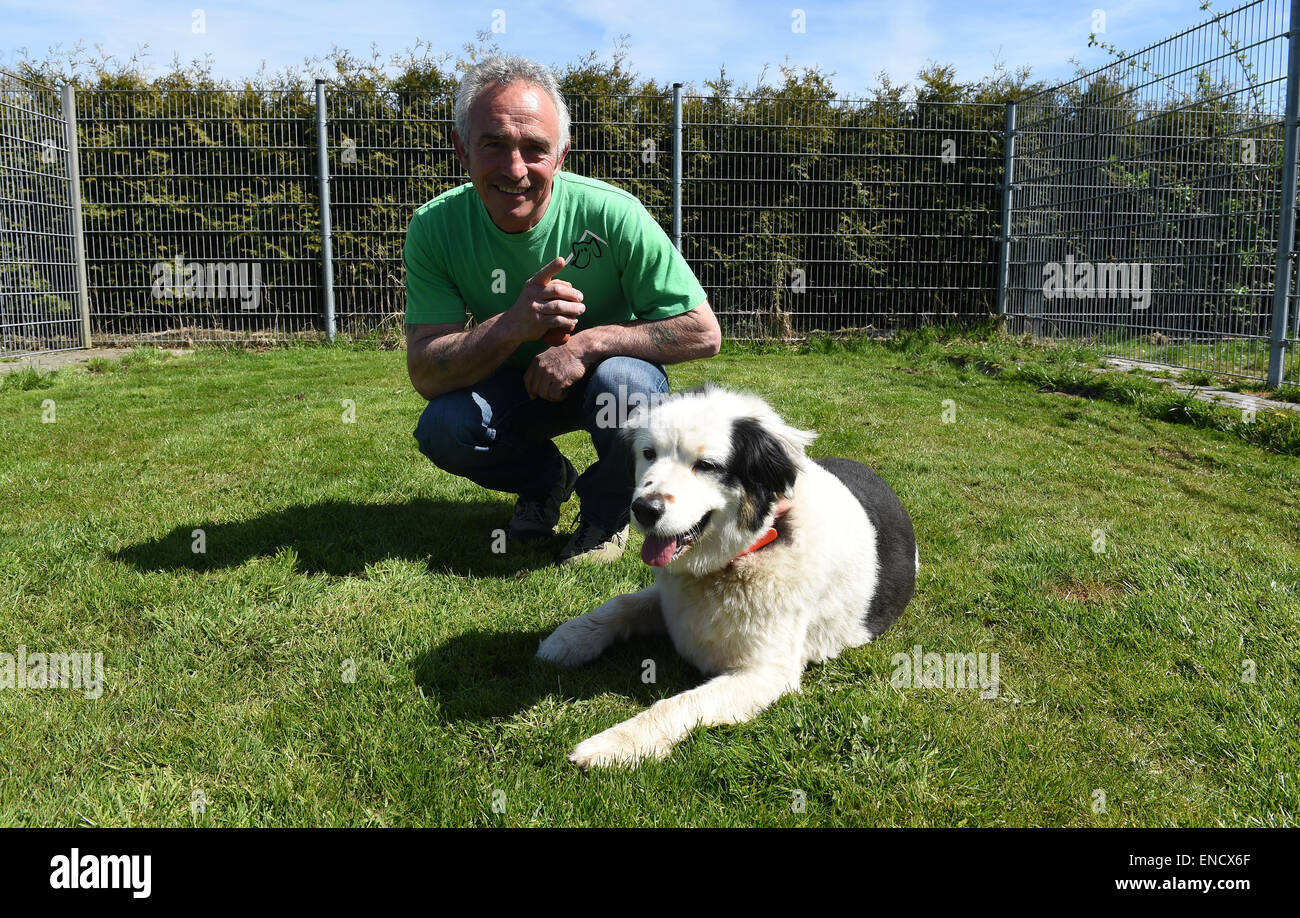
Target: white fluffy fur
[(755, 623)]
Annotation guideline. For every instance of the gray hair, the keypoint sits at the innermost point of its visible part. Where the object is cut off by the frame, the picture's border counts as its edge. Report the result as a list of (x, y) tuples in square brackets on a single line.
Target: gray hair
[(505, 69)]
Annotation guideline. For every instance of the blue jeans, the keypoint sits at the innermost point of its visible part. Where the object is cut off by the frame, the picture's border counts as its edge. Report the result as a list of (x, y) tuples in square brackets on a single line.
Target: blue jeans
[(496, 436)]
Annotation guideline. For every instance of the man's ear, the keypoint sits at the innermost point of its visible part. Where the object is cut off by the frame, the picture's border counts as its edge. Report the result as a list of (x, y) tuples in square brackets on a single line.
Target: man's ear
[(559, 163), (461, 153)]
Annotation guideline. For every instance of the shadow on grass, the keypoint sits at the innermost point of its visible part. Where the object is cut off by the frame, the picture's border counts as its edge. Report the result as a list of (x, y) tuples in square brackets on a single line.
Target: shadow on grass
[(342, 538), (480, 675)]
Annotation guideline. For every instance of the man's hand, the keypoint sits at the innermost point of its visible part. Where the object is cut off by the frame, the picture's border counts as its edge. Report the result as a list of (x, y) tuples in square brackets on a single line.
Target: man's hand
[(545, 305), (445, 357), (552, 372)]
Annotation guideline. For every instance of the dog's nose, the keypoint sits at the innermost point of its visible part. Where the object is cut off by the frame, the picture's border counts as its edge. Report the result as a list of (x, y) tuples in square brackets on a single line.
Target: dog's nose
[(647, 510)]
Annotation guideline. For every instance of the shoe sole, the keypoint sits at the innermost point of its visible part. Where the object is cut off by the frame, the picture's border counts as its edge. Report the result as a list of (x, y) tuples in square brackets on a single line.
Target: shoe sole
[(597, 555)]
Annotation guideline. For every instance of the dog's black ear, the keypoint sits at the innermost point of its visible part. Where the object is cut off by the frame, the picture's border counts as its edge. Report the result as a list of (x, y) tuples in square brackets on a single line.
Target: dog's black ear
[(763, 466)]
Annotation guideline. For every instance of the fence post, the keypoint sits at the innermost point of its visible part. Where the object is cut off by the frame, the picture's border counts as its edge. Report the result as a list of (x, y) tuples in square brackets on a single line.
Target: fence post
[(677, 166), (323, 179), (1008, 173), (1286, 219), (74, 198)]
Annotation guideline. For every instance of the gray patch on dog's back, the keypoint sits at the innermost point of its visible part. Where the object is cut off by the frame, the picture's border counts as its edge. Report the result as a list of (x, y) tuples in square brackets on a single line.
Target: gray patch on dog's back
[(895, 541)]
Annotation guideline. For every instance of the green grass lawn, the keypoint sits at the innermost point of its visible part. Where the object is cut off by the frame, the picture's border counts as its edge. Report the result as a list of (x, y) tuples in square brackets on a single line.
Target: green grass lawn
[(350, 651)]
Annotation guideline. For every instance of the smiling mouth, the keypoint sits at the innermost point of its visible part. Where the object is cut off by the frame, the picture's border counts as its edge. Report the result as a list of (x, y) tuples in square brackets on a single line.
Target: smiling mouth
[(660, 550)]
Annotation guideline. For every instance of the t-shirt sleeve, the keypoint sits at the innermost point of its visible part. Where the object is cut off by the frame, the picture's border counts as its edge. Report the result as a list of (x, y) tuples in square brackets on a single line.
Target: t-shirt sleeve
[(431, 295), (657, 281)]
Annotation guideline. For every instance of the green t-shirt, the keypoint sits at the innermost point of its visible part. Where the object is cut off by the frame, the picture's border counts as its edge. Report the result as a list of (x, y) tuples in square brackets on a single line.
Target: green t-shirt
[(459, 262)]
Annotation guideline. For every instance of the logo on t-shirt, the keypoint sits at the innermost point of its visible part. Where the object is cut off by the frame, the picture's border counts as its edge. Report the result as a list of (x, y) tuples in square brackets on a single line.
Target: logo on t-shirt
[(589, 247)]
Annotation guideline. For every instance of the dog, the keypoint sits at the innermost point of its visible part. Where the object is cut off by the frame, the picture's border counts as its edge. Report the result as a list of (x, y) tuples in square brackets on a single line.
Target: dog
[(764, 561)]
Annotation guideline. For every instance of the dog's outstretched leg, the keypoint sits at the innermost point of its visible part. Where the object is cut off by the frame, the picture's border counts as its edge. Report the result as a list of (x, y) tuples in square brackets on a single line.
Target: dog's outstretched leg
[(731, 698), (586, 637)]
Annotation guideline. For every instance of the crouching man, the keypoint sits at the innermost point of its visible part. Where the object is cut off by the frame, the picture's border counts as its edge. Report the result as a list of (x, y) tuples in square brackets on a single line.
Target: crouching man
[(555, 340)]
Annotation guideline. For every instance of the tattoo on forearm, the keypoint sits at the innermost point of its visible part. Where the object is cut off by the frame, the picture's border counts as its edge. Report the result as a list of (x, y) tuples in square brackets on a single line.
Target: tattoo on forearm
[(663, 336)]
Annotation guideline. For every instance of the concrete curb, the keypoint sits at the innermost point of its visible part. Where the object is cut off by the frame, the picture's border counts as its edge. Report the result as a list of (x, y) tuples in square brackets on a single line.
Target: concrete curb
[(1238, 400)]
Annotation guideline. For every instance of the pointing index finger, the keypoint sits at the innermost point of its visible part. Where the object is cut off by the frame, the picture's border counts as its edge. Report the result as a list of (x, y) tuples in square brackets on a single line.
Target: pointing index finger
[(548, 272)]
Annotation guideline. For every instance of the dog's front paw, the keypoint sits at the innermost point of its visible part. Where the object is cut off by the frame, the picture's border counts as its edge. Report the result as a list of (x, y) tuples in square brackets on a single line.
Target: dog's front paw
[(621, 745), (572, 644)]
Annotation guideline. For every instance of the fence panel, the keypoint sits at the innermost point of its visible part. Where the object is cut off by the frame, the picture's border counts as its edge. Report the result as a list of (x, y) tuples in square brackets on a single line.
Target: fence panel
[(841, 215), (40, 296), (389, 153), (200, 215), (203, 214), (1146, 199), (890, 214)]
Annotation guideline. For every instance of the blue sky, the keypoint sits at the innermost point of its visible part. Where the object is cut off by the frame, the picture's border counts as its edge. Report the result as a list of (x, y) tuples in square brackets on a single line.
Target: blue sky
[(669, 40)]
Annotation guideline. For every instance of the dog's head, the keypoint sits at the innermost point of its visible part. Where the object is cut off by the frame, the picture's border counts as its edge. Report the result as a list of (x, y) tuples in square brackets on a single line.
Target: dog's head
[(710, 467)]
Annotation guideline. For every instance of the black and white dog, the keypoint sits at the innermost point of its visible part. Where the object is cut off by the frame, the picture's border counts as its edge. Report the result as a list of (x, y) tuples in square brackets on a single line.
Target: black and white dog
[(765, 561)]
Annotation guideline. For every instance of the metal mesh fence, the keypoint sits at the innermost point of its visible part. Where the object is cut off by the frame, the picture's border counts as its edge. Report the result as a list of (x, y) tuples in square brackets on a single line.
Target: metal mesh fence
[(200, 215), (40, 307), (389, 153), (203, 208), (854, 215), (796, 217), (1147, 196)]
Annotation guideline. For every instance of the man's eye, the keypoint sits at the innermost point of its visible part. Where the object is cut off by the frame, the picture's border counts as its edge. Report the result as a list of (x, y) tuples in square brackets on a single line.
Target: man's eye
[(648, 453)]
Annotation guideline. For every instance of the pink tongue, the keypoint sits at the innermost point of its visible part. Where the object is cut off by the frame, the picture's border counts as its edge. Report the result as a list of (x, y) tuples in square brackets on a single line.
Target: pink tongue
[(658, 551)]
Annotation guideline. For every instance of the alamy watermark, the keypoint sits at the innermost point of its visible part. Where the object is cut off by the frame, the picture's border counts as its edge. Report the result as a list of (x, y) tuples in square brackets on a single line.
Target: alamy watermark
[(208, 280), (38, 670), (613, 409), (75, 870), (946, 670), (1108, 280)]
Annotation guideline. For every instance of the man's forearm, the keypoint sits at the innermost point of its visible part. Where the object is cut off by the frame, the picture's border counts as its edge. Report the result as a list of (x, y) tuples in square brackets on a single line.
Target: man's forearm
[(460, 359), (689, 336)]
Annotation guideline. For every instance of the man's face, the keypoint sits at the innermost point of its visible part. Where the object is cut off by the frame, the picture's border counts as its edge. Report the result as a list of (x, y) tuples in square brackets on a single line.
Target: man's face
[(511, 153)]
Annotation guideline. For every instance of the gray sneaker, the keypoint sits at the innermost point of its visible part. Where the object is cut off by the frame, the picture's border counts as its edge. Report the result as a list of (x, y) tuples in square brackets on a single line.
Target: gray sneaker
[(591, 543), (537, 519)]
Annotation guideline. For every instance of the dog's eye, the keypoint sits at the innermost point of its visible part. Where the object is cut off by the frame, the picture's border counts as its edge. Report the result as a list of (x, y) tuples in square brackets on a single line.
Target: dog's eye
[(648, 453), (704, 465)]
